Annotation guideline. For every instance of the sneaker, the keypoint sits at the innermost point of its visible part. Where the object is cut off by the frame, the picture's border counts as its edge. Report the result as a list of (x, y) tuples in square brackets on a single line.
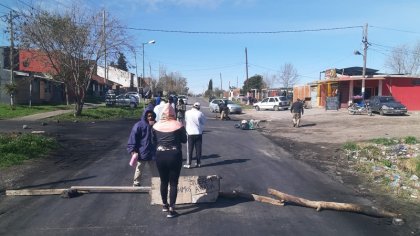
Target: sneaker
[(172, 214), (165, 208), (294, 125), (198, 165), (136, 185), (187, 166)]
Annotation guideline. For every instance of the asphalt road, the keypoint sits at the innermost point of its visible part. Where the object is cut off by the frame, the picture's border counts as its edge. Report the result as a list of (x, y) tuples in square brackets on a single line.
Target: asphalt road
[(94, 154)]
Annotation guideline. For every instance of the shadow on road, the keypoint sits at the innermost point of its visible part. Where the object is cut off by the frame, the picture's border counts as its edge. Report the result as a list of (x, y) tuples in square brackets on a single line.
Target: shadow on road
[(307, 125), (220, 203), (58, 182), (226, 162)]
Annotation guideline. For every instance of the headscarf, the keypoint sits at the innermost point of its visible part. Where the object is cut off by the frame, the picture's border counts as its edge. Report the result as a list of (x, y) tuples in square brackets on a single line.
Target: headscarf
[(167, 121)]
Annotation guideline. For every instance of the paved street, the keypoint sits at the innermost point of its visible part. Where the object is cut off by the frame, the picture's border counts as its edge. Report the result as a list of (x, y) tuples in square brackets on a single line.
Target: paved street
[(94, 154)]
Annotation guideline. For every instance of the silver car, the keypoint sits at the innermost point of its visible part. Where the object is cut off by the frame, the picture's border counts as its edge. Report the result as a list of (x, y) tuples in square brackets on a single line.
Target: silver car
[(233, 107), (273, 103)]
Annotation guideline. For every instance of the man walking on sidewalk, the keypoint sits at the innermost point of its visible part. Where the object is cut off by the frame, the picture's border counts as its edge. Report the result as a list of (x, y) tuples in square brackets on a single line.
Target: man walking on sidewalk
[(194, 123)]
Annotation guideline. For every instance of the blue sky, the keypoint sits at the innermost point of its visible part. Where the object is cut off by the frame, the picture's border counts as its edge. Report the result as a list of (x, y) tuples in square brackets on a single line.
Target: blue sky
[(201, 57)]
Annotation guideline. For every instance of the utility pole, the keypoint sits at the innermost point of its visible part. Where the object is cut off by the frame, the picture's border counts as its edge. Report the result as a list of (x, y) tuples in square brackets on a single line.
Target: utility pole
[(365, 42), (12, 46), (221, 82), (104, 39), (246, 63)]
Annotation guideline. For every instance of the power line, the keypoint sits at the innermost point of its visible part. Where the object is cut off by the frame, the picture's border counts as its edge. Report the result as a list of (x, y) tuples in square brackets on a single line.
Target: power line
[(242, 32), (399, 30)]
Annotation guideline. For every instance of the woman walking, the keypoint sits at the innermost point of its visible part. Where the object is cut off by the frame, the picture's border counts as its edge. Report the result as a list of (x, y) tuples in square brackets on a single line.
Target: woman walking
[(169, 134)]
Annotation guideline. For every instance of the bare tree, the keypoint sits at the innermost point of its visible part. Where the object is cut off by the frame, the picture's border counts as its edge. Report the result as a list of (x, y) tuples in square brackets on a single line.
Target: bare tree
[(288, 75), (73, 43), (404, 60)]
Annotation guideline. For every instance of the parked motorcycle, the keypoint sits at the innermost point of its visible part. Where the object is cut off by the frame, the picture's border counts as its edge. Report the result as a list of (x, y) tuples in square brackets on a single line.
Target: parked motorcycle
[(354, 109)]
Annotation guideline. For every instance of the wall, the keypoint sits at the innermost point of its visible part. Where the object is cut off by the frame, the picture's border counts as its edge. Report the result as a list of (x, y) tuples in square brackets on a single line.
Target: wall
[(117, 76), (403, 90)]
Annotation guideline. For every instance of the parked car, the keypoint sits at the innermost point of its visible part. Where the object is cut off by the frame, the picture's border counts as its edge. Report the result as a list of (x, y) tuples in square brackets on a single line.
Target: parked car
[(273, 103), (233, 107), (110, 98), (385, 105), (126, 100), (184, 98), (135, 94)]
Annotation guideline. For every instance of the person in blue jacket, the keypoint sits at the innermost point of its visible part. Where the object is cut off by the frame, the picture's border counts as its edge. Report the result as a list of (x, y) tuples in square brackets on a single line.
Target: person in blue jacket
[(140, 143)]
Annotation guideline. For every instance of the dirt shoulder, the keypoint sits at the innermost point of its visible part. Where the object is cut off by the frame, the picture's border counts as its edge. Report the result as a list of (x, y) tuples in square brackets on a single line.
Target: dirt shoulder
[(319, 143)]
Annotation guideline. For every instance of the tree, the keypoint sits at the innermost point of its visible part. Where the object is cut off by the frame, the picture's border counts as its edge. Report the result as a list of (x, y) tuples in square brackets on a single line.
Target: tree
[(288, 76), (254, 82), (73, 43), (122, 62), (404, 60), (210, 87)]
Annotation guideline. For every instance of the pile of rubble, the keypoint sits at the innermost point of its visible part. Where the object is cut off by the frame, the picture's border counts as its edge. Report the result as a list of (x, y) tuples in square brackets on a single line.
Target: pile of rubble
[(394, 164)]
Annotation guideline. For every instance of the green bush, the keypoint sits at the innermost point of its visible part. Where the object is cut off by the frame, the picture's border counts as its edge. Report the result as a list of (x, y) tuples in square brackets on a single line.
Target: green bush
[(350, 146), (410, 140), (387, 163)]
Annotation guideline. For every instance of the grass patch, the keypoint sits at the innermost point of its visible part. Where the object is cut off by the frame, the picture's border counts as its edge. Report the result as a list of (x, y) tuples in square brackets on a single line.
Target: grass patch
[(412, 165), (371, 152), (16, 148), (350, 146), (102, 113), (410, 140), (385, 141), (6, 112)]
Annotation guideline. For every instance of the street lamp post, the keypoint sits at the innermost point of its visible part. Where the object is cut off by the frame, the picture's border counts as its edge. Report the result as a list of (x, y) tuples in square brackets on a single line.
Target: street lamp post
[(150, 42), (365, 42)]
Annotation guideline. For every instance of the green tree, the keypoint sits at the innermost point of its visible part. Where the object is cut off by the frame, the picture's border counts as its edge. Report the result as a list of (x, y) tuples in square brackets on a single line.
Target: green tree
[(210, 88), (254, 82), (122, 62)]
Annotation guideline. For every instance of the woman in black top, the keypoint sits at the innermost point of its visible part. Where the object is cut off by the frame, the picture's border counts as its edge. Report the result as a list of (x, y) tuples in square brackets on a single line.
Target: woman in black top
[(169, 134)]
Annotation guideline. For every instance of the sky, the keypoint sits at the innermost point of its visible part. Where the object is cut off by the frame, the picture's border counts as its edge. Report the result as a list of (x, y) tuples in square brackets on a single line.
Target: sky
[(312, 35)]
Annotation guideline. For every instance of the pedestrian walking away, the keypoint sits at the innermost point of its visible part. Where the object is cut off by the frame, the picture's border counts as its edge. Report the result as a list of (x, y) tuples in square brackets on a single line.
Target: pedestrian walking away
[(140, 145), (194, 124), (297, 111), (169, 134), (182, 108)]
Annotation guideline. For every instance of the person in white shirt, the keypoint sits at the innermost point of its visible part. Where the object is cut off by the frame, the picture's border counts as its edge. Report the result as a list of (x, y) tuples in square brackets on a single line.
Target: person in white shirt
[(194, 124), (158, 109)]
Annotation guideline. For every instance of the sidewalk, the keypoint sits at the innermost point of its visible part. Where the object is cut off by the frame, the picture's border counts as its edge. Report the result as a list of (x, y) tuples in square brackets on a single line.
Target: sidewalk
[(40, 116), (44, 115)]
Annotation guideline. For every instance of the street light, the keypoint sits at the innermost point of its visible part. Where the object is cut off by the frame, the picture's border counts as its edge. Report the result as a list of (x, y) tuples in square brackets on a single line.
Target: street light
[(363, 72), (365, 42), (150, 42)]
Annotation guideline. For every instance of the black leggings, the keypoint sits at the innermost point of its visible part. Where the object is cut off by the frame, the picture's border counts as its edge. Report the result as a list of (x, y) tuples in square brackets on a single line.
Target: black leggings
[(169, 165)]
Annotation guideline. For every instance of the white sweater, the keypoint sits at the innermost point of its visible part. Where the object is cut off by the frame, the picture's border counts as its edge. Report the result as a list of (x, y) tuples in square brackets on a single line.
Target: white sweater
[(194, 121)]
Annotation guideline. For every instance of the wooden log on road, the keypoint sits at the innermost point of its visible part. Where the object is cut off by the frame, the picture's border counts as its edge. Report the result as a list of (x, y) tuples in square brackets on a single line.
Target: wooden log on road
[(319, 205), (250, 196), (112, 189), (34, 192)]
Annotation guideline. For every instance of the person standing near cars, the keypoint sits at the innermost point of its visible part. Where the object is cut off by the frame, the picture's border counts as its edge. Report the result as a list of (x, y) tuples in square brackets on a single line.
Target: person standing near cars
[(140, 144), (194, 124), (169, 134), (297, 111)]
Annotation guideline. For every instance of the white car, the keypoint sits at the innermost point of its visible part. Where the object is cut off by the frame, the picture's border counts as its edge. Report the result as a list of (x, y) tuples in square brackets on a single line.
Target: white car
[(233, 107), (273, 103), (184, 98)]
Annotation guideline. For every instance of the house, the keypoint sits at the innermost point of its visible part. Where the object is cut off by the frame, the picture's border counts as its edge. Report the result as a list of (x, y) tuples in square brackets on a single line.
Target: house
[(346, 86)]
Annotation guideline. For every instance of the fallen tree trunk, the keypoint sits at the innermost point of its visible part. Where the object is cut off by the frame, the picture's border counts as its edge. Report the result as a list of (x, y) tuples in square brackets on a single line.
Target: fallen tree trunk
[(250, 196), (319, 205)]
